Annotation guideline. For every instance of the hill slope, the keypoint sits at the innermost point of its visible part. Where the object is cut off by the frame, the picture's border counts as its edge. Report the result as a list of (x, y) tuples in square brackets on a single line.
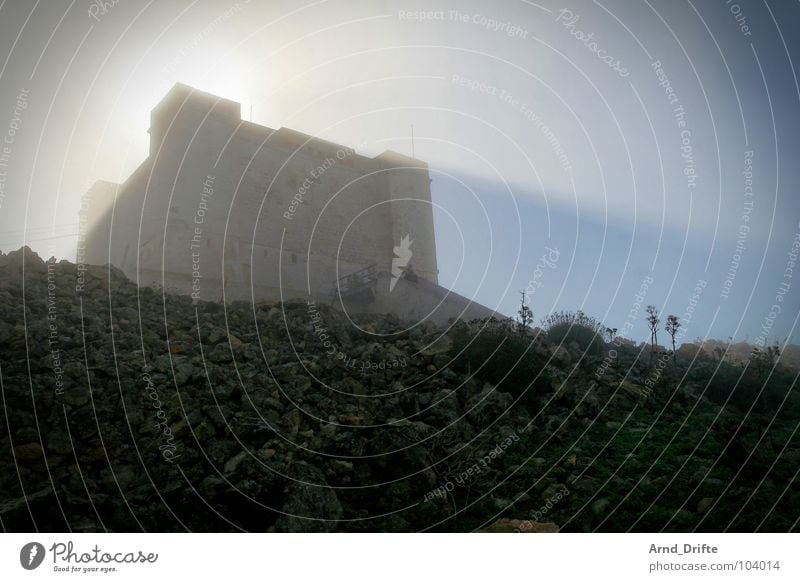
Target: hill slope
[(126, 410)]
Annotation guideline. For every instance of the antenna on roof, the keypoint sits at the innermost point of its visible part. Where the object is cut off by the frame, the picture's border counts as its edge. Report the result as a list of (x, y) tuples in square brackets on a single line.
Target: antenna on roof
[(412, 141), (251, 113)]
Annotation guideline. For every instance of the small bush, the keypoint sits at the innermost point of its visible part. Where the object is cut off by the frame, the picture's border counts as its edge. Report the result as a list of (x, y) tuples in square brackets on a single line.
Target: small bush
[(501, 356), (566, 327)]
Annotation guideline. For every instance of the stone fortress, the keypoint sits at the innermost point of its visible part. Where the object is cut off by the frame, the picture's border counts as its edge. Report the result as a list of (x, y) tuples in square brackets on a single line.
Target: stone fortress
[(225, 209)]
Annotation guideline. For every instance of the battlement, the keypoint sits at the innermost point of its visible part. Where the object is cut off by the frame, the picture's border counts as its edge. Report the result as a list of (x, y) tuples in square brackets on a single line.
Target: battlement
[(183, 101)]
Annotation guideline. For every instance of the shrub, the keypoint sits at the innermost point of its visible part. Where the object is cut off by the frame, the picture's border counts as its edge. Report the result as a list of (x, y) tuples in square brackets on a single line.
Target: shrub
[(565, 327), (497, 354)]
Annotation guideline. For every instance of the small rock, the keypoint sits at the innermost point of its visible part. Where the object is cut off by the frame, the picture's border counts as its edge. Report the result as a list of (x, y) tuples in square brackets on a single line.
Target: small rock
[(599, 507), (220, 354), (342, 466), (77, 396), (28, 452), (704, 505), (233, 464), (506, 525)]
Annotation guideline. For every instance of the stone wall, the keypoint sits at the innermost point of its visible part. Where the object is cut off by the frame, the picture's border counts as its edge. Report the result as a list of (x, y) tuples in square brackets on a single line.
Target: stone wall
[(264, 213)]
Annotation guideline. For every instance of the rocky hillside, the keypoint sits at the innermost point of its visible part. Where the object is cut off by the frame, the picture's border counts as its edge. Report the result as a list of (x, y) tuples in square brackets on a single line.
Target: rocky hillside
[(129, 410)]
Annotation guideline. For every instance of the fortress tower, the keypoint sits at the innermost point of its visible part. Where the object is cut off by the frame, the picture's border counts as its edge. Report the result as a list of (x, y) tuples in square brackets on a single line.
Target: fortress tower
[(227, 209)]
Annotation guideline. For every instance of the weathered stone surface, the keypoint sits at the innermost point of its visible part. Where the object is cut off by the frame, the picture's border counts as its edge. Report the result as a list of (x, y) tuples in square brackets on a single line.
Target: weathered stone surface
[(219, 420), (506, 525)]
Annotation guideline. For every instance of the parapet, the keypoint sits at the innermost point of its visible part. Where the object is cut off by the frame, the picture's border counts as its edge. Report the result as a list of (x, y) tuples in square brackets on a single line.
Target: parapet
[(181, 96), (393, 159)]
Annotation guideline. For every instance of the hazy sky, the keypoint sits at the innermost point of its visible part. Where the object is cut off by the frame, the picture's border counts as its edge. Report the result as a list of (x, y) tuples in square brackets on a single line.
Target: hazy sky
[(614, 135)]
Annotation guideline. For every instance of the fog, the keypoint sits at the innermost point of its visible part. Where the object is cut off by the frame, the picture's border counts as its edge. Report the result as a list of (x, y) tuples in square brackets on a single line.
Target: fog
[(636, 143)]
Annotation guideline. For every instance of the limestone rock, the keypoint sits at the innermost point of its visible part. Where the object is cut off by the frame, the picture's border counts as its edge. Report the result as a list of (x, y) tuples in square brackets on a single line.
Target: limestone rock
[(506, 525)]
